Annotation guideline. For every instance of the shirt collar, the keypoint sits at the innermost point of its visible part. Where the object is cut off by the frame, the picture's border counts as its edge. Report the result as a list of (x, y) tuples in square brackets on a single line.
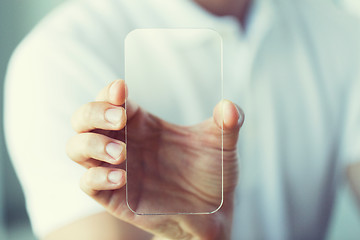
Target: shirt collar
[(188, 14)]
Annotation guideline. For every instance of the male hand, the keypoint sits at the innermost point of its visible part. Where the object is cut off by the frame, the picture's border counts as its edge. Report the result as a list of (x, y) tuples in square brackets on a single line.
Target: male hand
[(186, 160)]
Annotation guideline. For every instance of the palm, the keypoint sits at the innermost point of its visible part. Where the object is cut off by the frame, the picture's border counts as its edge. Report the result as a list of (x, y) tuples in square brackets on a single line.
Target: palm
[(172, 168)]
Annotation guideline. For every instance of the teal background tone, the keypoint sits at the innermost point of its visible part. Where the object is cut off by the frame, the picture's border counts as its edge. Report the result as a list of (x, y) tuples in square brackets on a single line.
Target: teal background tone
[(17, 17)]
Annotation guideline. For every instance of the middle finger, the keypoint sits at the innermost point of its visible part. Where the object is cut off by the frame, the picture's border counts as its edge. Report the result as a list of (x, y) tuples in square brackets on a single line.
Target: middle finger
[(83, 148)]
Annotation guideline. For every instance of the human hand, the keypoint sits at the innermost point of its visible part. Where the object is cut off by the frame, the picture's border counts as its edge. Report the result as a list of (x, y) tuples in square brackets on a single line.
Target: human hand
[(165, 154)]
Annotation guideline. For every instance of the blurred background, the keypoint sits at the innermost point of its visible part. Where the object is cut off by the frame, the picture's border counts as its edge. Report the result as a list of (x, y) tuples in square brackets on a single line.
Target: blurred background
[(17, 18)]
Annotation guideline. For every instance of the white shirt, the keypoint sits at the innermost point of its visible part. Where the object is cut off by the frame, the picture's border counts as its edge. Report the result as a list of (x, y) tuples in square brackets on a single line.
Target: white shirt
[(352, 6), (295, 73)]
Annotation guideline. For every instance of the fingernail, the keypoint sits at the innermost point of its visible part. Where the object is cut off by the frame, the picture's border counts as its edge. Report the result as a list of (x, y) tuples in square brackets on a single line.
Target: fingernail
[(114, 150), (241, 115), (113, 115), (115, 176), (114, 89), (227, 108)]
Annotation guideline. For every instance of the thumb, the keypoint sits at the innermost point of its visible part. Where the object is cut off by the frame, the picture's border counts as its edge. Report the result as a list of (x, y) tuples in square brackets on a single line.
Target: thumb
[(229, 118)]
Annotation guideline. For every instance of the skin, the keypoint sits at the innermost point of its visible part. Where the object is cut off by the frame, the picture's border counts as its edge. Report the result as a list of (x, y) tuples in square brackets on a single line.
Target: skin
[(118, 222), (88, 148), (236, 8), (353, 176), (184, 161), (239, 9)]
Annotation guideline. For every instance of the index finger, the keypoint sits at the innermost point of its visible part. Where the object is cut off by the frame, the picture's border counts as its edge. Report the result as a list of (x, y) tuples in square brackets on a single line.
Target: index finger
[(115, 93)]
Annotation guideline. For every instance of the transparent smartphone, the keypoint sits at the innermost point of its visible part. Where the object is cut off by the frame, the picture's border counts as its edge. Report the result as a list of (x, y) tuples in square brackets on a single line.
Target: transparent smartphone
[(173, 166)]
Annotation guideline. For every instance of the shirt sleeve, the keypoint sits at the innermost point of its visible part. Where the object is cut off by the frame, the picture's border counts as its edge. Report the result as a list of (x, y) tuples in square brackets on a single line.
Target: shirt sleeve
[(55, 70)]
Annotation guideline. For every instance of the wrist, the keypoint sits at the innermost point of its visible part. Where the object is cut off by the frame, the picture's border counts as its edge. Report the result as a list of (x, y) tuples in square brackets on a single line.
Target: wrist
[(216, 226), (225, 221)]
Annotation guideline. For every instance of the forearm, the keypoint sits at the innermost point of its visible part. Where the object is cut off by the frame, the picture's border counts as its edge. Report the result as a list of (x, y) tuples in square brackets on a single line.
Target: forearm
[(220, 233), (98, 226), (353, 175), (216, 226)]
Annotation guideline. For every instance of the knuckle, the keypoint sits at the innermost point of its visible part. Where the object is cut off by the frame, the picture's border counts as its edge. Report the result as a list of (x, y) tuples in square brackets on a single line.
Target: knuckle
[(69, 148), (89, 177), (89, 144), (88, 141), (83, 185), (93, 143), (86, 186), (79, 147), (88, 110), (82, 116)]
